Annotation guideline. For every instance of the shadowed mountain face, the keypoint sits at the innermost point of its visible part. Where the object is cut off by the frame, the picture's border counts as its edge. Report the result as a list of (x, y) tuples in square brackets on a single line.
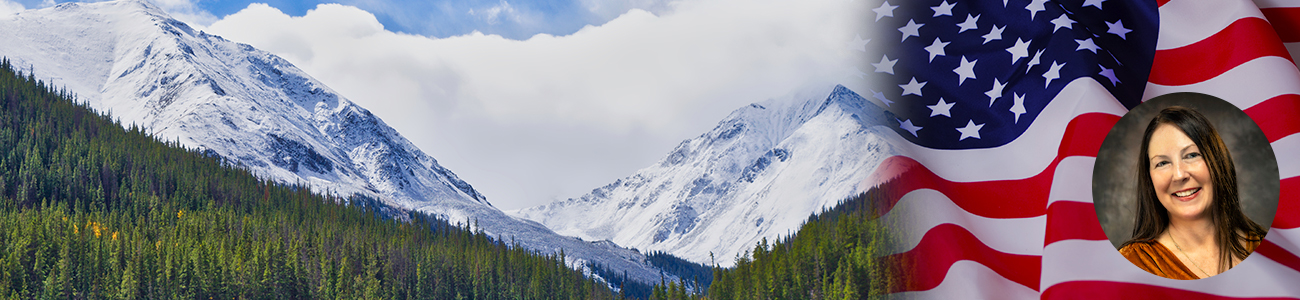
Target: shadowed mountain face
[(759, 174), (130, 59)]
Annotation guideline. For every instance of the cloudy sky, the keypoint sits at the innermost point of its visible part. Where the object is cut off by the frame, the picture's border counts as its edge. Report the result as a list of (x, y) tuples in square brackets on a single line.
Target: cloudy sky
[(536, 101)]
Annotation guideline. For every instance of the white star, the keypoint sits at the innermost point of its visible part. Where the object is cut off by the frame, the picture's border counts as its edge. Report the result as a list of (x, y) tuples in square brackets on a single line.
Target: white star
[(881, 96), (996, 92), (970, 131), (885, 10), (1034, 61), (1117, 28), (1062, 22), (910, 30), (907, 125), (966, 70), (1110, 74), (995, 34), (943, 9), (969, 24), (941, 108), (912, 87), (859, 73), (1034, 7), (1052, 73), (1020, 50), (936, 48), (1087, 44), (859, 43), (1019, 107), (1096, 3), (885, 65)]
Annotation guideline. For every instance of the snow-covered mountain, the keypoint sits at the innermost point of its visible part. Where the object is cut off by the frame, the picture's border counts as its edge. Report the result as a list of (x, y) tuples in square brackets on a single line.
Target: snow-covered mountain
[(759, 174), (130, 59)]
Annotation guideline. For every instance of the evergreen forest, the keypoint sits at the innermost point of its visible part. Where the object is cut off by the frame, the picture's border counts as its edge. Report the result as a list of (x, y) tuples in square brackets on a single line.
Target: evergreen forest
[(92, 210), (832, 256)]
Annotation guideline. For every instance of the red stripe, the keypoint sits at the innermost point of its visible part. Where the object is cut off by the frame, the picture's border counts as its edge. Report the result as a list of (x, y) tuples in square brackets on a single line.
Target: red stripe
[(1278, 254), (1286, 22), (1244, 40), (946, 244), (1276, 116), (1161, 2), (1288, 204), (1020, 198), (1124, 290), (1069, 220)]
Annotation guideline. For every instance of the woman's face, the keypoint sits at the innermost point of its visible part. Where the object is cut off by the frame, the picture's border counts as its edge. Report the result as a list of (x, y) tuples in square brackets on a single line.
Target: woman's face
[(1179, 174)]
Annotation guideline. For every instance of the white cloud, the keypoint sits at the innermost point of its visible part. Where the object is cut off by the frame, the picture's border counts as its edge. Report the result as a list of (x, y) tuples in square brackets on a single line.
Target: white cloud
[(493, 14), (551, 117), (8, 8), (608, 9), (185, 11)]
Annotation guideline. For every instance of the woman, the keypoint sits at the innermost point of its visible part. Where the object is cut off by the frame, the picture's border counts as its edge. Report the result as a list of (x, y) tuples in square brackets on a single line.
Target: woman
[(1189, 220)]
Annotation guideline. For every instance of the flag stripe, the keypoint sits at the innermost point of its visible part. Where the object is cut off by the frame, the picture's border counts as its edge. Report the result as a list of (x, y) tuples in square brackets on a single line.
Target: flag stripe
[(1274, 116), (1284, 238), (1070, 220), (971, 280), (1288, 210), (946, 244), (1083, 260), (1007, 198), (1186, 22), (1217, 54), (921, 210), (1277, 254), (1123, 290), (1285, 21), (1263, 77)]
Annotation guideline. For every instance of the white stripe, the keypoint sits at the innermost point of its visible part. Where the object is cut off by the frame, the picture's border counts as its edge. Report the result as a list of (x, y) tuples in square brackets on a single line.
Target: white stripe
[(970, 280), (1188, 21), (1072, 180), (1288, 239), (1284, 150), (921, 210), (1244, 86), (1031, 153), (1277, 3), (1072, 260)]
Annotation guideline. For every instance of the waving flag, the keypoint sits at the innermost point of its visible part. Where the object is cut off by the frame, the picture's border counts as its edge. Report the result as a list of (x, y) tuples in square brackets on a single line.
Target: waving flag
[(1001, 107)]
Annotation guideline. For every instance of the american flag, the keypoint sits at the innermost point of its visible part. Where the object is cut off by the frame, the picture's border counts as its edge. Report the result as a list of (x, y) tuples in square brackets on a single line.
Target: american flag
[(1001, 106)]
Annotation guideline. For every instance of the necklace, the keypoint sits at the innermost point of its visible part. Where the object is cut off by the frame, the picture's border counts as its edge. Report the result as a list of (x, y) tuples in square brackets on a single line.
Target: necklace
[(1189, 257)]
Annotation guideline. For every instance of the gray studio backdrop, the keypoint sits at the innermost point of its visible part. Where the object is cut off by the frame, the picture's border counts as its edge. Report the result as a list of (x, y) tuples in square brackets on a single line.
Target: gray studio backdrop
[(1114, 176)]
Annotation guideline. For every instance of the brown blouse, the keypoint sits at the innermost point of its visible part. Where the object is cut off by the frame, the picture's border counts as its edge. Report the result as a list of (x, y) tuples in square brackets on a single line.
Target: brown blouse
[(1157, 259)]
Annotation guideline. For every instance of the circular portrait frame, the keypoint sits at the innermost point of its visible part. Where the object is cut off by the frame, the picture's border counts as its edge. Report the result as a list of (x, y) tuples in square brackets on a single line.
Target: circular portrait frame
[(1114, 181)]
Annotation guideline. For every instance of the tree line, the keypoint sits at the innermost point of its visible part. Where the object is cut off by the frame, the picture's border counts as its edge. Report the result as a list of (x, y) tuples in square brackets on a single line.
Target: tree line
[(90, 209)]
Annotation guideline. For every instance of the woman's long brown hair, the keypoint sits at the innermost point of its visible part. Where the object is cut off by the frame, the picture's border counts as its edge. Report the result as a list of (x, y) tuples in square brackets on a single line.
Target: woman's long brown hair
[(1232, 227)]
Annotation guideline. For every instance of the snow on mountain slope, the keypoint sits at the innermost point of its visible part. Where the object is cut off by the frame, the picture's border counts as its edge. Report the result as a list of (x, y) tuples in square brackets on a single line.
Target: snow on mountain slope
[(759, 174), (130, 59)]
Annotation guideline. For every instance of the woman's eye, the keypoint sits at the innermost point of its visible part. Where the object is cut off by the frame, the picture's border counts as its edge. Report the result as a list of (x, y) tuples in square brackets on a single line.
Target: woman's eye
[(1193, 155), (1161, 164)]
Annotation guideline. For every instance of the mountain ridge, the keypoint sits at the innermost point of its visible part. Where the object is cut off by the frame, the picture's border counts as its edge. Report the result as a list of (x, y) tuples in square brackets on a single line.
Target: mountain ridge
[(255, 109), (757, 174)]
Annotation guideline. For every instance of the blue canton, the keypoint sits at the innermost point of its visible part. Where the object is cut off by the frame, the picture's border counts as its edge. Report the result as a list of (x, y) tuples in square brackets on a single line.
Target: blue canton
[(961, 74)]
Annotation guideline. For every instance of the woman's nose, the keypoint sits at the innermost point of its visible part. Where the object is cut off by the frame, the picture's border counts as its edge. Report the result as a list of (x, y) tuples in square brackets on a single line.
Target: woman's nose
[(1180, 172)]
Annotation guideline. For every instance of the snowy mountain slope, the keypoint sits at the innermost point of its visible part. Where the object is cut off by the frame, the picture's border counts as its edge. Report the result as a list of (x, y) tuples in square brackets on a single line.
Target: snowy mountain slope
[(759, 174), (130, 59)]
